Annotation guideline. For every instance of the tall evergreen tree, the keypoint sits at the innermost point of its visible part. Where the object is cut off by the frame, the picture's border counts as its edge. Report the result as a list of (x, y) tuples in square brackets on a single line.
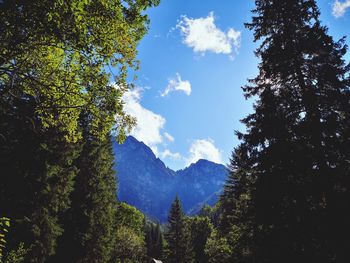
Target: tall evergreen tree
[(37, 174), (289, 188), (154, 241), (53, 56), (178, 248), (200, 229), (90, 224)]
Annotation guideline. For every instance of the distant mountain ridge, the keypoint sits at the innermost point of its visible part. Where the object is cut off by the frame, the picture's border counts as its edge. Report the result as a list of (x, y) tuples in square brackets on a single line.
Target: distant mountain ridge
[(146, 183)]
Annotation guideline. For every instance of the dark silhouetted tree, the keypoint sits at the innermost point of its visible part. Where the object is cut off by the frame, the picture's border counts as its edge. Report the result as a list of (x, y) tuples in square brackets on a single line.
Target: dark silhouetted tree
[(154, 241), (178, 246), (199, 229), (37, 172), (90, 222), (289, 188)]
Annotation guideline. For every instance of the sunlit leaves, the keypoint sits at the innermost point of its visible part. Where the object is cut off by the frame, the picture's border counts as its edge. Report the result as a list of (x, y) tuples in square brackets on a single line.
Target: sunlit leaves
[(58, 52)]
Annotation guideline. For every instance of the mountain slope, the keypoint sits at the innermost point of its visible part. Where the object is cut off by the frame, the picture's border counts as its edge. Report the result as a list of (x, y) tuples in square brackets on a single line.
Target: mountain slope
[(146, 183)]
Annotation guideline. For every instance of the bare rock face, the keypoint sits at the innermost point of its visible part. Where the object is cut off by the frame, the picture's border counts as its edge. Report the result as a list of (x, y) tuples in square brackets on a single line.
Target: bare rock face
[(146, 183)]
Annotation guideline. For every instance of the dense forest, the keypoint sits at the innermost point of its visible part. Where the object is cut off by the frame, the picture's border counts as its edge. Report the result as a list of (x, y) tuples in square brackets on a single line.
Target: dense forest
[(287, 195)]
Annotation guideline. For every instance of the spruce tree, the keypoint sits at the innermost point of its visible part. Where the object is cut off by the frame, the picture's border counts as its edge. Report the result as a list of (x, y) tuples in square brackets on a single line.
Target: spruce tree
[(52, 68), (159, 243), (37, 174), (289, 188), (90, 227), (200, 229), (154, 241), (178, 249)]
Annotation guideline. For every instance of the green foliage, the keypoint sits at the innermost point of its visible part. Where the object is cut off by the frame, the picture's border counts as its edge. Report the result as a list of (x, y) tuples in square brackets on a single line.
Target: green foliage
[(178, 240), (212, 212), (154, 240), (57, 53), (199, 229), (129, 245), (18, 255), (56, 97), (13, 256), (4, 225), (131, 217), (89, 225), (37, 178), (217, 249)]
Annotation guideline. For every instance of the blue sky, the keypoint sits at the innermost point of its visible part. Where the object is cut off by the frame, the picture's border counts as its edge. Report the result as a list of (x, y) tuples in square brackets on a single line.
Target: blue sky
[(194, 60)]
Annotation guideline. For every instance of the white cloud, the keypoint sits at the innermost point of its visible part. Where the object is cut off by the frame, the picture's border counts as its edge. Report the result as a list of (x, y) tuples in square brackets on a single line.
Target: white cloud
[(339, 8), (167, 154), (149, 127), (150, 130), (203, 35), (177, 84), (169, 137), (204, 149), (149, 124)]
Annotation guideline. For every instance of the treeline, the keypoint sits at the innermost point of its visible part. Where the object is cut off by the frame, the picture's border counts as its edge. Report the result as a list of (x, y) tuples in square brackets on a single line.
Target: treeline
[(193, 239), (63, 70)]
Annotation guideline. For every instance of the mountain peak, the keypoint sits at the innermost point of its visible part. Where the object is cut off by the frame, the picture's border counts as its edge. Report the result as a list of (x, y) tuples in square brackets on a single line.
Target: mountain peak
[(146, 183)]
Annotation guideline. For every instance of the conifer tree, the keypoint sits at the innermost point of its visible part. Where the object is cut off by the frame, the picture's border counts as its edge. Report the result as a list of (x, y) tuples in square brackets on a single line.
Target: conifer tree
[(200, 230), (52, 67), (37, 174), (90, 229), (154, 241), (289, 184), (178, 248)]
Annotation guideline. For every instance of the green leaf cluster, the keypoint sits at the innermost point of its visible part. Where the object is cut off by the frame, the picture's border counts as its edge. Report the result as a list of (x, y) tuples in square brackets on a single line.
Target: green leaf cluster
[(59, 52), (4, 225), (63, 69), (130, 245)]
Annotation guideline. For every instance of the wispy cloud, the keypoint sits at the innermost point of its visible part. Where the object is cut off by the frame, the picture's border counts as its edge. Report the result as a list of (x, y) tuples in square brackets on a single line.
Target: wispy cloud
[(203, 35), (169, 137), (167, 154), (177, 84), (339, 8)]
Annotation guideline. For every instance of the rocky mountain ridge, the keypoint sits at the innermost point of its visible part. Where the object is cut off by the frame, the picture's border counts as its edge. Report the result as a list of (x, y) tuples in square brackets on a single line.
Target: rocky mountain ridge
[(146, 183)]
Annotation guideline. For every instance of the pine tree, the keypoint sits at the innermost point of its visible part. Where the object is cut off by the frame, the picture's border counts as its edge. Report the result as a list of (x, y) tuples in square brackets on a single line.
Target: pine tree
[(154, 241), (90, 228), (178, 249), (200, 230), (159, 243), (37, 173), (290, 178), (234, 220), (227, 204), (52, 61)]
